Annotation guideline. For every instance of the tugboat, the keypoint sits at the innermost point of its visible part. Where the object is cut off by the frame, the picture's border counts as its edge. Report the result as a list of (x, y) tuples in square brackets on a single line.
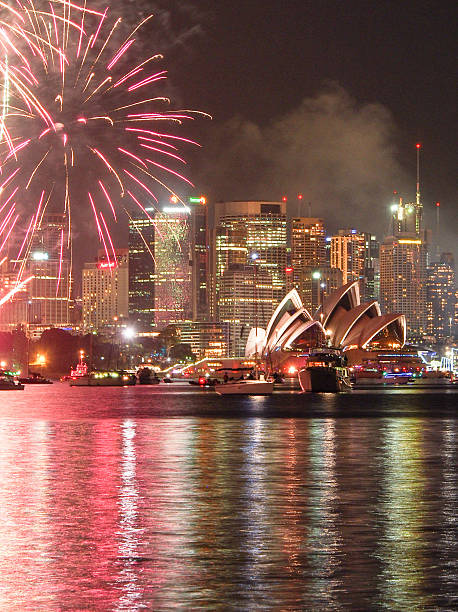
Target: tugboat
[(8, 382), (325, 372)]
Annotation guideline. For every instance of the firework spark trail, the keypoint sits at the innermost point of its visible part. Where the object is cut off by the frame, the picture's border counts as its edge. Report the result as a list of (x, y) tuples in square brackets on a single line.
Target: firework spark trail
[(66, 125), (15, 290)]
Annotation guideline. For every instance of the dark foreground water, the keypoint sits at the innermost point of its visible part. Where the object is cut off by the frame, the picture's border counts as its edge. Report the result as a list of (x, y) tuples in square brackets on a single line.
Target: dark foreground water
[(172, 498)]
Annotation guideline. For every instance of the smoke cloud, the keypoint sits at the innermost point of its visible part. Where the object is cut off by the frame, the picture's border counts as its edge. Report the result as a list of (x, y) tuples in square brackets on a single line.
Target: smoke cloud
[(339, 154)]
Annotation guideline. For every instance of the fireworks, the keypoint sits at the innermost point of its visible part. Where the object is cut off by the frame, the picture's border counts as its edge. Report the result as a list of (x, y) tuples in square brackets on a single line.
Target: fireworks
[(80, 124)]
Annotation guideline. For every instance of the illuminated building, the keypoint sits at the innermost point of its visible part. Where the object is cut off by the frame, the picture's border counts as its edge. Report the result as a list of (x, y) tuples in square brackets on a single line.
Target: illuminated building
[(241, 228), (441, 297), (356, 255), (15, 311), (246, 300), (308, 255), (105, 291), (141, 271), (200, 258), (403, 279), (172, 270), (49, 264), (207, 339), (348, 254)]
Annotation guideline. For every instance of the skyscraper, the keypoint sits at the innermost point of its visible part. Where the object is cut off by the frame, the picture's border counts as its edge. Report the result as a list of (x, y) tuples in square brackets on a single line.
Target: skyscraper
[(441, 297), (308, 257), (200, 258), (49, 264), (403, 280), (348, 253), (141, 270), (173, 266), (105, 291), (242, 228), (246, 300)]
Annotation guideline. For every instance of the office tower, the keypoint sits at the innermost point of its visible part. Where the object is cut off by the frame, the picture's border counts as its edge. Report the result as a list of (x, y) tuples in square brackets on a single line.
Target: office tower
[(173, 265), (403, 280), (49, 264), (246, 300), (242, 228), (141, 271), (308, 257), (441, 297), (207, 339), (371, 289), (105, 291), (200, 258), (348, 253)]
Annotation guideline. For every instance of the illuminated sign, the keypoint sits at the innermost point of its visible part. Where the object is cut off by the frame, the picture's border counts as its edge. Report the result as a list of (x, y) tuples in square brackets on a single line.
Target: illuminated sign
[(201, 200), (409, 241), (40, 256), (176, 209), (287, 270), (104, 264)]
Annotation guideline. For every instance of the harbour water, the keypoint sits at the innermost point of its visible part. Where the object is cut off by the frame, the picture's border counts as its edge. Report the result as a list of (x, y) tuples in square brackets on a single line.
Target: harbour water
[(170, 497)]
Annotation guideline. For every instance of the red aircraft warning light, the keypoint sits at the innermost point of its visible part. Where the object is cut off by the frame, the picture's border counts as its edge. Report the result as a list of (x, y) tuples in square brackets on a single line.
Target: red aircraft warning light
[(284, 199), (418, 145), (438, 204), (299, 196)]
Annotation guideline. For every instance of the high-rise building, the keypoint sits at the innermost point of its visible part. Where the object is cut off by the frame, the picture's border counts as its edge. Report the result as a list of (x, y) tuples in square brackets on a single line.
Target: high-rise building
[(242, 228), (246, 300), (371, 289), (172, 266), (200, 258), (403, 279), (441, 297), (348, 253), (105, 291), (49, 264), (141, 270), (308, 257)]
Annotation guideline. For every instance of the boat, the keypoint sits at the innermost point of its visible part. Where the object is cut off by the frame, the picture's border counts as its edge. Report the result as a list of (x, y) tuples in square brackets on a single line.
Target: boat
[(8, 382), (102, 378), (35, 378), (325, 373), (245, 387)]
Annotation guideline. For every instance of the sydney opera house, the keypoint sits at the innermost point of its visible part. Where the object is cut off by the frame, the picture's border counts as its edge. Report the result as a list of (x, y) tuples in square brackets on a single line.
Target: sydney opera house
[(342, 321)]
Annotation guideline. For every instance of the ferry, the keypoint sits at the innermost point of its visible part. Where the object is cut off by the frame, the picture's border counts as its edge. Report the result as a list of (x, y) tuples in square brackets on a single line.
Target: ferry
[(102, 378)]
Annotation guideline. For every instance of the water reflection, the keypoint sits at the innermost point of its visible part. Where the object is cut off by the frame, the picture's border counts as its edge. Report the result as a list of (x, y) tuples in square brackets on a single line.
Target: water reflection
[(206, 513)]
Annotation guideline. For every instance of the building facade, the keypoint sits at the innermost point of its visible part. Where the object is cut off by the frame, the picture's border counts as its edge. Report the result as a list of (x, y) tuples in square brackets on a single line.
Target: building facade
[(240, 229), (246, 299), (308, 258), (172, 266), (440, 295), (105, 291), (141, 270), (207, 339), (49, 264), (403, 261)]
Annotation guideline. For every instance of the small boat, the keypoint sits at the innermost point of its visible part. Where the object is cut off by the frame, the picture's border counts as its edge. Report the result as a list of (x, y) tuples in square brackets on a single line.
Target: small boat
[(8, 382), (325, 373), (101, 378), (245, 387), (35, 379)]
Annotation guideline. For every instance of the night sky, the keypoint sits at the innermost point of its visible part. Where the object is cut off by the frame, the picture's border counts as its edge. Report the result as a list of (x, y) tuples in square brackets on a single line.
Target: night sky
[(259, 60), (325, 98)]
